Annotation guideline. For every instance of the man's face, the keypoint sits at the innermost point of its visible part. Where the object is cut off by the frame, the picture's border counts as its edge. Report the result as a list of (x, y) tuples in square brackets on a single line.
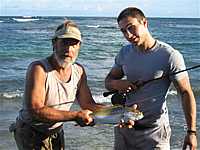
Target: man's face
[(66, 51), (134, 31)]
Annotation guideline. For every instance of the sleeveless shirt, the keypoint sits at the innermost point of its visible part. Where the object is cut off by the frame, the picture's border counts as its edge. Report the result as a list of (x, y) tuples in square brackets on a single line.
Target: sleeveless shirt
[(59, 95)]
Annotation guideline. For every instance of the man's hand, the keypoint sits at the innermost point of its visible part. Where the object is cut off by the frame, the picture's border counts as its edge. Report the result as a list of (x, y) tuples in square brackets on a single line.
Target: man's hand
[(125, 86), (190, 141), (84, 119), (128, 124)]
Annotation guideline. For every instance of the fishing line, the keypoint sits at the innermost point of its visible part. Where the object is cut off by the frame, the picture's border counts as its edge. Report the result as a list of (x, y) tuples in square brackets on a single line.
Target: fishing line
[(142, 83), (61, 104)]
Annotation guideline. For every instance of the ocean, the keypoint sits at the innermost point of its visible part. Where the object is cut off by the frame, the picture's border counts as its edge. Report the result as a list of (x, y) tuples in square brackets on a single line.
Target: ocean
[(25, 40)]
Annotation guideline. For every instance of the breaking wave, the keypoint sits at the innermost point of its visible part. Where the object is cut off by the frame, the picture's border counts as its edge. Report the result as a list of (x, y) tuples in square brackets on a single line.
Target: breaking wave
[(12, 94), (24, 19)]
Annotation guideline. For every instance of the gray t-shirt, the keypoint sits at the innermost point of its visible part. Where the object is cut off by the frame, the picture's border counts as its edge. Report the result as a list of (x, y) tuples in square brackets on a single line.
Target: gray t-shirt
[(162, 59)]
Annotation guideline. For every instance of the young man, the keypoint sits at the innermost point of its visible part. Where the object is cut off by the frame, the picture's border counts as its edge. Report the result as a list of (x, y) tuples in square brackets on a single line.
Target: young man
[(52, 86), (143, 59)]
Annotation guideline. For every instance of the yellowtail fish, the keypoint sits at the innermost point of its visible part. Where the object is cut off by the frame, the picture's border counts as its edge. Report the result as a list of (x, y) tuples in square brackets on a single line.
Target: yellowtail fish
[(114, 114)]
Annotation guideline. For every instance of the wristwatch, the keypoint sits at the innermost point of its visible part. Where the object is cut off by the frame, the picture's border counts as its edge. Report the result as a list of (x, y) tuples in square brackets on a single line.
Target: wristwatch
[(192, 132)]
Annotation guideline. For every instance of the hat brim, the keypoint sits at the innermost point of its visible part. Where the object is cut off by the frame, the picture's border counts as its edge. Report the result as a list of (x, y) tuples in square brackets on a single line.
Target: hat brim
[(69, 36)]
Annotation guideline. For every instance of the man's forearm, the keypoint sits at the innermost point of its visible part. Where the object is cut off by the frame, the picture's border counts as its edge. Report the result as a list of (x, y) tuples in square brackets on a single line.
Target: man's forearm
[(93, 106), (48, 114), (110, 84), (189, 107)]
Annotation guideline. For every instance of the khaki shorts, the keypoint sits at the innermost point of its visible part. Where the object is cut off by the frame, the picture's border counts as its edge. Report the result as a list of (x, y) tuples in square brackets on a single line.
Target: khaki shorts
[(27, 138), (154, 138)]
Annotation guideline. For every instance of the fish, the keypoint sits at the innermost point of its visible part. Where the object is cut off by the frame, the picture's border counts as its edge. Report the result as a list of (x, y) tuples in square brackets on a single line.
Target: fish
[(114, 114)]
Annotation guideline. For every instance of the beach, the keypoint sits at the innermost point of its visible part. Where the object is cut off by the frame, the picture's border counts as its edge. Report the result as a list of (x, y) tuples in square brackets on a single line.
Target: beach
[(23, 41)]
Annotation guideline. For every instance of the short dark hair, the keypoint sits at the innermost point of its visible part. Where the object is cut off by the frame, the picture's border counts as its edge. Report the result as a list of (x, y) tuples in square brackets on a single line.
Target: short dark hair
[(131, 12)]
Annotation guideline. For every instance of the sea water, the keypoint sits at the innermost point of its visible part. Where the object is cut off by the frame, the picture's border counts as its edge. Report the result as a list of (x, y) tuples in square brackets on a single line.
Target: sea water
[(22, 42)]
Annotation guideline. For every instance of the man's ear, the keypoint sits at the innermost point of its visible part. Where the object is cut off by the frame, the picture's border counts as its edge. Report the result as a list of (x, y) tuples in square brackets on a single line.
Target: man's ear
[(79, 43), (54, 43), (145, 22), (54, 46)]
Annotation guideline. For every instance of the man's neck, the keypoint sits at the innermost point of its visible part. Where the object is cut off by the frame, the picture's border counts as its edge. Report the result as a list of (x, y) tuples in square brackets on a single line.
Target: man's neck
[(62, 73), (148, 44)]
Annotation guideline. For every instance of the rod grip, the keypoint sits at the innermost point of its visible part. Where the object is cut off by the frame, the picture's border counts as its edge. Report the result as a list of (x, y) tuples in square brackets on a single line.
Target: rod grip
[(105, 94)]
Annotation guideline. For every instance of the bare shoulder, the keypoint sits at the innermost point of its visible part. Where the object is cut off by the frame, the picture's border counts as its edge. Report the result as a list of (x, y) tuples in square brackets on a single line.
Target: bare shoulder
[(36, 67), (81, 69)]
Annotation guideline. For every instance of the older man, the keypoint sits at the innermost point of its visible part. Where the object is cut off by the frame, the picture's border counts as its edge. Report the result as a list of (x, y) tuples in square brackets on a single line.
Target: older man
[(52, 86)]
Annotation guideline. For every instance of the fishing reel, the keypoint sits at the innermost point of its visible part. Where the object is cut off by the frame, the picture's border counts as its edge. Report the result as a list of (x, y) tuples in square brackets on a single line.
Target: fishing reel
[(118, 99)]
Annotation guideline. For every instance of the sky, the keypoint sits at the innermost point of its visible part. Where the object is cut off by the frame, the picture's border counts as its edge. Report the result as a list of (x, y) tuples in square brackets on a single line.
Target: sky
[(105, 8)]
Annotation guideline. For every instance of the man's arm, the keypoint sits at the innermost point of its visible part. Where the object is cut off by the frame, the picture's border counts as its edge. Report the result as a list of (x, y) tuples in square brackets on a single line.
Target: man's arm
[(35, 98), (84, 95), (189, 107), (114, 81)]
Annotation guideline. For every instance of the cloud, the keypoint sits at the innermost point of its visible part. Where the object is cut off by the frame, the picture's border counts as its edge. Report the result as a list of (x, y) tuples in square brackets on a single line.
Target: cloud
[(100, 8)]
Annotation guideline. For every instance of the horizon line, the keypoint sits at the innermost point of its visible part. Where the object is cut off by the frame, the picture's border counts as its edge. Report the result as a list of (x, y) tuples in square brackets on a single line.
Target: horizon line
[(175, 17)]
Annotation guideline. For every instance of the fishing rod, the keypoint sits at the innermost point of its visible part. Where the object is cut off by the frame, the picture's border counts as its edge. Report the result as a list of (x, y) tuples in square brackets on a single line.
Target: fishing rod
[(140, 84)]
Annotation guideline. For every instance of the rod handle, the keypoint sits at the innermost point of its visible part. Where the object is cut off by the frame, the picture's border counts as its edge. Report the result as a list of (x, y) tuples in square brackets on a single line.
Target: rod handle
[(105, 94)]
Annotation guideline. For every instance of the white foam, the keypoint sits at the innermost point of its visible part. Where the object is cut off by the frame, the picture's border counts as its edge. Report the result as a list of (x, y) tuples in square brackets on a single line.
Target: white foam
[(24, 19), (27, 16), (32, 31), (1, 21), (13, 94), (172, 92), (93, 26), (184, 26), (102, 99)]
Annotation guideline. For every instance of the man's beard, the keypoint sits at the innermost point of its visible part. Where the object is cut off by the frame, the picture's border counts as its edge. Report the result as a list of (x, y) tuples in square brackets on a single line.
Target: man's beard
[(62, 62)]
